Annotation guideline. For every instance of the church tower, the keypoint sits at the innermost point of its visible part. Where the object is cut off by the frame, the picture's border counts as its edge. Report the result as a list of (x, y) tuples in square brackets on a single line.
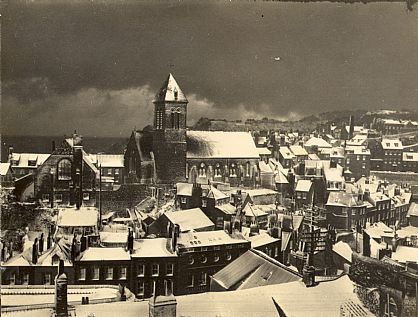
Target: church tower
[(169, 141)]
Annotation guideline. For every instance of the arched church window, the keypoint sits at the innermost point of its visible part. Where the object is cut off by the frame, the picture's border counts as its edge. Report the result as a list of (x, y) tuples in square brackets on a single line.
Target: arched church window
[(173, 118), (176, 94), (247, 169), (202, 170), (177, 118), (218, 172), (233, 170), (64, 169)]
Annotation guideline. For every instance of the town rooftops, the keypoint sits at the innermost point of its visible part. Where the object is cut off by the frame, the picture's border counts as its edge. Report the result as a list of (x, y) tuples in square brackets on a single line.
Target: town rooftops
[(392, 144), (219, 144), (258, 210), (170, 91), (184, 189), (375, 197), (4, 168), (28, 160), (263, 151), (189, 219), (264, 168), (216, 194), (405, 254), (357, 150), (71, 217), (258, 240), (227, 209), (152, 248), (207, 238), (253, 269), (104, 254), (319, 142), (298, 150), (280, 178), (109, 237), (334, 175), (343, 249), (313, 157), (259, 192), (303, 185), (378, 230), (343, 199)]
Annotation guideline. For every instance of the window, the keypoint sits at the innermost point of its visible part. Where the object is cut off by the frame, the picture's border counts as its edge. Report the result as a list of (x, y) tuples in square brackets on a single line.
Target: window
[(169, 269), (228, 256), (204, 203), (25, 279), (363, 165), (109, 171), (82, 274), (304, 195), (64, 169), (202, 170), (141, 288), (191, 259), (155, 269), (233, 170), (12, 280), (141, 269), (86, 196), (202, 278), (183, 200), (364, 157), (47, 279), (45, 198), (31, 163), (122, 273), (218, 172), (95, 273), (190, 280), (116, 171), (159, 119), (203, 259), (58, 198), (216, 257), (358, 157), (109, 273), (247, 169)]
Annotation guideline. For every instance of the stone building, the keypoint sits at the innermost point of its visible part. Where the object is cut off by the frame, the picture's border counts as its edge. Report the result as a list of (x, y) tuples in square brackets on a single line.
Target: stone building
[(167, 152)]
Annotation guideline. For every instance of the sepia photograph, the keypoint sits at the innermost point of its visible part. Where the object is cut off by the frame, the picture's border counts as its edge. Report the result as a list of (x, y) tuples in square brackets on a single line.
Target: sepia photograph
[(209, 158)]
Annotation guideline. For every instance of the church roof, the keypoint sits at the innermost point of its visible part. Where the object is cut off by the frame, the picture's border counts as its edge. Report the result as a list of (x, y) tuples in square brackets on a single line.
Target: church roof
[(220, 144), (170, 91)]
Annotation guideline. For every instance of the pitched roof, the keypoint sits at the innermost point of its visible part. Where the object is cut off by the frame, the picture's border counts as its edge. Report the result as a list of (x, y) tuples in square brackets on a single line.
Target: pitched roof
[(258, 210), (413, 209), (170, 91), (334, 174), (219, 144), (104, 254), (404, 254), (227, 209), (410, 156), (107, 160), (298, 150), (152, 248), (343, 250), (390, 144), (314, 141), (280, 178), (263, 151), (216, 193), (303, 185), (4, 168), (343, 199), (286, 153), (189, 219), (23, 159), (264, 168), (184, 189), (253, 269)]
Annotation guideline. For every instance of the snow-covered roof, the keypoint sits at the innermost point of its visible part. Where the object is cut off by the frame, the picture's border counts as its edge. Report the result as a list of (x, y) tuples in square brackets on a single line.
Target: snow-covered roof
[(71, 217), (392, 144), (189, 219), (343, 250), (258, 210), (264, 168), (220, 144), (303, 185), (410, 156), (263, 151), (207, 238), (4, 168), (104, 254), (113, 237), (107, 160), (319, 142), (405, 254), (21, 160), (152, 248), (216, 194), (259, 192), (334, 174), (170, 91), (280, 178), (360, 150), (184, 189), (286, 153), (298, 150)]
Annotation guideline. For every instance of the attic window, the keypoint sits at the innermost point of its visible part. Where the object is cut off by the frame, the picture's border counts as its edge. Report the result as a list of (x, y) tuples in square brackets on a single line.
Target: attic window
[(176, 94), (387, 144)]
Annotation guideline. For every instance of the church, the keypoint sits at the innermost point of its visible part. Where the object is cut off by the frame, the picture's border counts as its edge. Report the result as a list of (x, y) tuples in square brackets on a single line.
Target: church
[(167, 152)]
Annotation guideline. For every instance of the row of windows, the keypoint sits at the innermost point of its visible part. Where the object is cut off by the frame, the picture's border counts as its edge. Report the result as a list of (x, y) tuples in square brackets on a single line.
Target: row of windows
[(109, 171), (58, 197), (108, 273), (24, 279), (199, 280), (155, 269), (141, 287), (233, 169), (204, 259)]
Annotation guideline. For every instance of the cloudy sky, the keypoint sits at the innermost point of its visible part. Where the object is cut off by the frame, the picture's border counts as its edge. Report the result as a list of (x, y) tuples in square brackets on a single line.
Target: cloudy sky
[(95, 67)]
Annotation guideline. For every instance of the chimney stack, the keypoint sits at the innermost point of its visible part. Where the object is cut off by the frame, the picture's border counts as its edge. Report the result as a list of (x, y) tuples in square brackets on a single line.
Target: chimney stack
[(35, 251), (308, 272), (61, 284), (366, 244), (53, 146), (78, 173), (351, 127), (130, 245), (10, 154), (174, 236), (162, 306), (41, 243), (49, 241), (84, 243)]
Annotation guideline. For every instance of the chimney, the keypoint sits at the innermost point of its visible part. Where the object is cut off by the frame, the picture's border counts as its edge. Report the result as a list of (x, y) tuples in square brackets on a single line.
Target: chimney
[(394, 242), (49, 241), (174, 237), (366, 244), (41, 243), (351, 127), (61, 284), (366, 194), (84, 243), (130, 245), (254, 230), (3, 253), (53, 146), (308, 272), (227, 227), (11, 249), (276, 232), (196, 201)]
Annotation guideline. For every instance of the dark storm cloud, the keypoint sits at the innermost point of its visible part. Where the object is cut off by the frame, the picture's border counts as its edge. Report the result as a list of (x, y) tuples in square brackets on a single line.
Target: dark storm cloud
[(86, 57)]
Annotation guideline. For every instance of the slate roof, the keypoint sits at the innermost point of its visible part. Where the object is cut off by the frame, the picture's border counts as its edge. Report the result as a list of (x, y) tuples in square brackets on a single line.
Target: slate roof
[(168, 91), (189, 219), (253, 269), (219, 144)]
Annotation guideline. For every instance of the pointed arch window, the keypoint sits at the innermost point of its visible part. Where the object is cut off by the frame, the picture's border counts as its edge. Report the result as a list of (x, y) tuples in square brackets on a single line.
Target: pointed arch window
[(247, 169), (202, 170), (233, 170), (218, 171), (64, 169), (175, 118)]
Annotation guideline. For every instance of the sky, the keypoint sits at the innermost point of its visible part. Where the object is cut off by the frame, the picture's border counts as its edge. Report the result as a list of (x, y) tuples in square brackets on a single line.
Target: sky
[(96, 66)]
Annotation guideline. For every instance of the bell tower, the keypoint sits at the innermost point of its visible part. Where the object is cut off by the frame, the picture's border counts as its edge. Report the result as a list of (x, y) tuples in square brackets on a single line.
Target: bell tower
[(169, 141)]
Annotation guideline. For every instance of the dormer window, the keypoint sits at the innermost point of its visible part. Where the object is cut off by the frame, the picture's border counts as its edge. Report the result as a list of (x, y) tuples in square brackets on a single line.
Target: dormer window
[(32, 163)]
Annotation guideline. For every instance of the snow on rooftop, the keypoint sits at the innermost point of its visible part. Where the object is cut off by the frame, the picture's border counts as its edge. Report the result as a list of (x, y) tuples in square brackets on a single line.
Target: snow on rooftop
[(84, 217), (263, 151), (189, 219), (104, 254), (320, 143), (219, 144), (303, 185), (152, 248), (207, 238), (170, 91), (392, 144), (298, 150), (4, 168), (107, 160), (405, 254), (343, 249)]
